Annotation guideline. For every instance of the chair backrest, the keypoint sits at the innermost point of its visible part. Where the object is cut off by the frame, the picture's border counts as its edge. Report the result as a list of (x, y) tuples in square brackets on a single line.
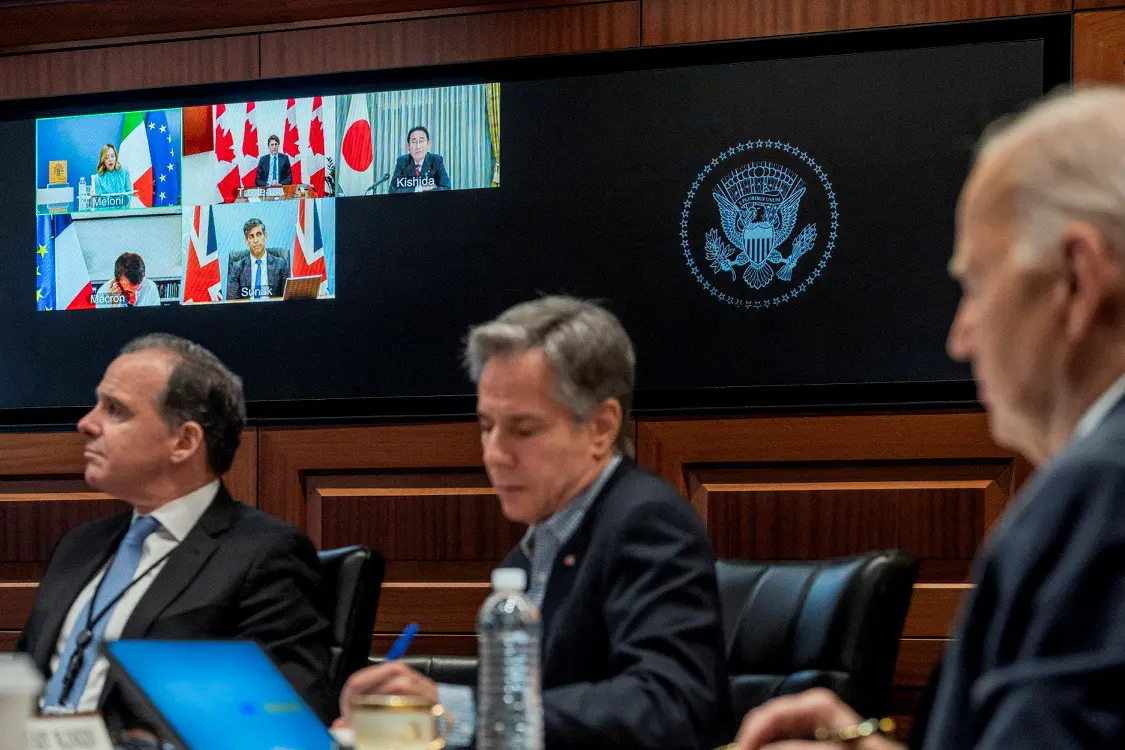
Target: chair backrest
[(451, 670), (790, 626), (353, 577)]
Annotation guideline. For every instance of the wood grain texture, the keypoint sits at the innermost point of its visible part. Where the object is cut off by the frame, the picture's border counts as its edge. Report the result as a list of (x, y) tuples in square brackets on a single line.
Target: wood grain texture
[(1094, 4), (69, 21), (450, 39), (287, 456), (15, 604), (1099, 47), (428, 644), (448, 524), (676, 22), (669, 446), (8, 640), (933, 609), (128, 67), (438, 607), (917, 658), (242, 479)]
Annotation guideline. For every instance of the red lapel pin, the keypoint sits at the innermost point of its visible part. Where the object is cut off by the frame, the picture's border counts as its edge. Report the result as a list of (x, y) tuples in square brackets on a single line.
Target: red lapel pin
[(569, 561)]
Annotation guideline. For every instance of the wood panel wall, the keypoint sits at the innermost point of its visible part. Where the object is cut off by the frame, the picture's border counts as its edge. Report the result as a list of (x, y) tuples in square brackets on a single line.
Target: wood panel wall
[(89, 46), (770, 488)]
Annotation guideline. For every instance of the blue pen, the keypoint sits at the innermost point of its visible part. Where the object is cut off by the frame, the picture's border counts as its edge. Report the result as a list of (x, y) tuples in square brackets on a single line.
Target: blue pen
[(403, 641)]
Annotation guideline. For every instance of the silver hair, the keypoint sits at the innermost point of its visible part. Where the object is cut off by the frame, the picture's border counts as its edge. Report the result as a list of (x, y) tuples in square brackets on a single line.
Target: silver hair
[(590, 354), (1067, 156)]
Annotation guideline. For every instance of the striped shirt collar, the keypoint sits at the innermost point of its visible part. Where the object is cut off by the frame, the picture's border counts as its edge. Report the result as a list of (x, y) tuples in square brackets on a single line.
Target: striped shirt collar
[(565, 522)]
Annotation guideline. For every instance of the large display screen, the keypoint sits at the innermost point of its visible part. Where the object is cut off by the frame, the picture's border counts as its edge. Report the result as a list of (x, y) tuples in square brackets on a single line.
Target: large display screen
[(771, 220)]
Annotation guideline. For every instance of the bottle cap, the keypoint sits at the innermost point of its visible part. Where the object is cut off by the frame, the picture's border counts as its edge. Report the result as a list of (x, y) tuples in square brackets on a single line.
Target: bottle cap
[(509, 579)]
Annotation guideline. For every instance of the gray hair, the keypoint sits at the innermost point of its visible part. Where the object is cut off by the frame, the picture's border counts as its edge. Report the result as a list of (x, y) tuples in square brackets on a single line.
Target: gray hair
[(590, 354), (200, 389), (1067, 164)]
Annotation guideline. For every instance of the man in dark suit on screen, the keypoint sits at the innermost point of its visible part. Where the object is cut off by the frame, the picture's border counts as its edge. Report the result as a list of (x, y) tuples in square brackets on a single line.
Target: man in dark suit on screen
[(258, 272), (419, 170), (186, 561), (274, 167), (618, 562), (1038, 659)]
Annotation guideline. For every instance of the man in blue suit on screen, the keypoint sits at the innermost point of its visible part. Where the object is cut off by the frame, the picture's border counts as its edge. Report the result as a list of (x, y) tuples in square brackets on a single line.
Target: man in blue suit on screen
[(1038, 659), (273, 168), (419, 170)]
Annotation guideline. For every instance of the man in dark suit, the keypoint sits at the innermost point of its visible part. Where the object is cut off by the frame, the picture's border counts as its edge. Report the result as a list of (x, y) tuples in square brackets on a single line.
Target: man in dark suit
[(1038, 659), (419, 170), (618, 562), (257, 273), (186, 561), (273, 168)]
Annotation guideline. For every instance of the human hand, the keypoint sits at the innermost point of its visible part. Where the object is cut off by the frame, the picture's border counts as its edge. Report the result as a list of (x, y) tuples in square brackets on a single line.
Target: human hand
[(776, 723), (389, 678)]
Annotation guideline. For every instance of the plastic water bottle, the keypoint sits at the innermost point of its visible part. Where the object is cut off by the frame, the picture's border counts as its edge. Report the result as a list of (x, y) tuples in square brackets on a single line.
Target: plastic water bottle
[(509, 703), (83, 194)]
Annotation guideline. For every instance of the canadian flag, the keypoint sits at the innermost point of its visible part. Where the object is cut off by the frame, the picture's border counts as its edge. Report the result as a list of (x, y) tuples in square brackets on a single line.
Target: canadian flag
[(316, 148), (356, 173), (201, 274), (308, 246), (226, 166), (248, 164), (291, 142)]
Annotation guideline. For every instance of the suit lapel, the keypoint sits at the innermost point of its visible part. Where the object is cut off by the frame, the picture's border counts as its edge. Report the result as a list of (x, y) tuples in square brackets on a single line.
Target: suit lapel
[(571, 558), (69, 586), (183, 566)]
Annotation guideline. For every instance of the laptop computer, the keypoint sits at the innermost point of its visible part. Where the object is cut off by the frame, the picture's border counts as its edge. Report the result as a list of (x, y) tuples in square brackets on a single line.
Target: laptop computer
[(217, 695)]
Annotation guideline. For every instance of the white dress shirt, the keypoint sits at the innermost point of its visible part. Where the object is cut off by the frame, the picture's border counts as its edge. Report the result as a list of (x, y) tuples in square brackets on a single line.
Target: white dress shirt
[(176, 518), (1100, 409)]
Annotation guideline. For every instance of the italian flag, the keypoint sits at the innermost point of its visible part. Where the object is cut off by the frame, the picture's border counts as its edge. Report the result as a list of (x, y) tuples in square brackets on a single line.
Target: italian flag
[(134, 156)]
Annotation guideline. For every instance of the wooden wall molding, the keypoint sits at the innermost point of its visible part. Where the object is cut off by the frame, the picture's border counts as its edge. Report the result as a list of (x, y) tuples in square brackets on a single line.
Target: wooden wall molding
[(1099, 47), (27, 25), (452, 39), (677, 22), (136, 66), (778, 488)]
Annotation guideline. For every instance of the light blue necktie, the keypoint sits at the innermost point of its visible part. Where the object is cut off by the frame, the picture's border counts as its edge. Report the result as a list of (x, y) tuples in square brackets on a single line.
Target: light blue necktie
[(273, 167), (117, 579), (258, 278)]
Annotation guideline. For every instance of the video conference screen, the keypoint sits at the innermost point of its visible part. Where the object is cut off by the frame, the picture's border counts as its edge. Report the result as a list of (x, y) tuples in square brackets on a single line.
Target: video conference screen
[(235, 202), (762, 216)]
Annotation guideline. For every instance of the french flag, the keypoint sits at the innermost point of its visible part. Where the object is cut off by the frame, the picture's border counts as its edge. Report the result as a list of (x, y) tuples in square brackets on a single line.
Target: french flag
[(308, 246), (202, 282), (61, 254)]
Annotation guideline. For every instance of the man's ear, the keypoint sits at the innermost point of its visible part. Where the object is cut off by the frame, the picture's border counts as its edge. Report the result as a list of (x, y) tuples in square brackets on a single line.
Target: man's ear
[(189, 441), (605, 424), (1092, 275)]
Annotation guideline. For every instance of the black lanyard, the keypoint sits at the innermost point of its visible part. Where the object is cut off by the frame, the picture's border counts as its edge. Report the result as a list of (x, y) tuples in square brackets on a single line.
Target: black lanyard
[(78, 658)]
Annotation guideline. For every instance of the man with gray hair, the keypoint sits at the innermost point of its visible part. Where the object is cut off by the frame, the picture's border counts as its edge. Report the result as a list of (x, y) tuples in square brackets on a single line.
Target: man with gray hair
[(186, 561), (618, 562), (1038, 659)]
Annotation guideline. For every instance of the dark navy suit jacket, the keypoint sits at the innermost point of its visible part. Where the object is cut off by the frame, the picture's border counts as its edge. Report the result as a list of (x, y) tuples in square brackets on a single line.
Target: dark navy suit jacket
[(1039, 656), (632, 649)]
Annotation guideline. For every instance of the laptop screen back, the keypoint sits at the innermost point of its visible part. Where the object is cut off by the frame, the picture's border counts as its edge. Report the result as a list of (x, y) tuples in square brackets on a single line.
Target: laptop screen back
[(221, 694)]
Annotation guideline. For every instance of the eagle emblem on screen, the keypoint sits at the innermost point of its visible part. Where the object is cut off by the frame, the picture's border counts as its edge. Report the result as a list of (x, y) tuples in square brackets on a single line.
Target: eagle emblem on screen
[(761, 192)]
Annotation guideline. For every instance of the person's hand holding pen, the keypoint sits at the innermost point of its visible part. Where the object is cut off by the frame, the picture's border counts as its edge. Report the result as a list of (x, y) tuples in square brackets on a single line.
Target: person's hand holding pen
[(792, 723), (389, 678)]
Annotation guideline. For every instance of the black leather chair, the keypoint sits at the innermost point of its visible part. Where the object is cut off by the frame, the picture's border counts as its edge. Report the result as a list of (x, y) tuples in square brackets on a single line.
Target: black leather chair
[(353, 577), (451, 670), (790, 626)]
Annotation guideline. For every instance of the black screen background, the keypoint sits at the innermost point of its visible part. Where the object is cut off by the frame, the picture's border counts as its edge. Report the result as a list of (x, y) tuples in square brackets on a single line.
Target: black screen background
[(594, 172)]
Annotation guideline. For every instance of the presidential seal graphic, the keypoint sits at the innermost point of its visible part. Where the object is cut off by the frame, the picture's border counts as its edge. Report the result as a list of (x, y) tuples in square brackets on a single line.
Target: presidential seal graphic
[(759, 224)]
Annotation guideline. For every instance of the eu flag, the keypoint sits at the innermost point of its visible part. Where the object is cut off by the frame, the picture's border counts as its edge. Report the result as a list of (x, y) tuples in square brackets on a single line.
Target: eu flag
[(165, 154), (45, 264)]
